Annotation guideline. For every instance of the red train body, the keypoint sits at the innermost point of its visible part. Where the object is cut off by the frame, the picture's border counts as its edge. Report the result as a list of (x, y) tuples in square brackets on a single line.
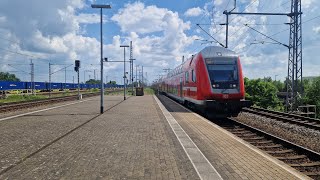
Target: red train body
[(211, 81)]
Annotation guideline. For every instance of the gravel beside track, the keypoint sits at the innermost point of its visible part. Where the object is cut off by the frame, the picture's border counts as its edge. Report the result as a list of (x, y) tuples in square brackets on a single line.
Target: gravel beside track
[(305, 137)]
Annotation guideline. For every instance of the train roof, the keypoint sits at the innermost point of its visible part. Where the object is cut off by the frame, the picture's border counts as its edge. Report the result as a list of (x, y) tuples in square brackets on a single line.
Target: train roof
[(217, 51), (207, 52)]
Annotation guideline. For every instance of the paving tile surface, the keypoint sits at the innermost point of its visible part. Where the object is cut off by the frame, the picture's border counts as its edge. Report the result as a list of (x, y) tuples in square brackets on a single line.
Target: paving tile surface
[(232, 159), (130, 141)]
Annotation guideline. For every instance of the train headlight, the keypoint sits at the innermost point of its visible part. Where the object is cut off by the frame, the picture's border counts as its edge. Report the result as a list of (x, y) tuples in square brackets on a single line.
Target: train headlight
[(215, 85), (234, 85)]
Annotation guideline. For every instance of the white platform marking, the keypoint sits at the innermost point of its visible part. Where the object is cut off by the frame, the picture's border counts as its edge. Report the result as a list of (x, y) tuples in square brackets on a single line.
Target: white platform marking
[(277, 162), (41, 110), (200, 163)]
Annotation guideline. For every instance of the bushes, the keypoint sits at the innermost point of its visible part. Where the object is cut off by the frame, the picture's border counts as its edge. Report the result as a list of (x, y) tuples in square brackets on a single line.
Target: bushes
[(263, 94)]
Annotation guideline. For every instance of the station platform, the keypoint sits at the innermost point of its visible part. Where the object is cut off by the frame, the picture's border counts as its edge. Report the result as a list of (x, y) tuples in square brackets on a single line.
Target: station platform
[(141, 138)]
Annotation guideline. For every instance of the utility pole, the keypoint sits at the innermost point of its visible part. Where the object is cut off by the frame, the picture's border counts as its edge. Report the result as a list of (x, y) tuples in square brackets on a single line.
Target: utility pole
[(130, 60), (49, 79), (295, 58), (137, 75), (78, 73), (32, 76), (65, 76), (131, 71), (72, 79), (227, 22), (124, 70), (294, 92), (131, 66), (142, 76)]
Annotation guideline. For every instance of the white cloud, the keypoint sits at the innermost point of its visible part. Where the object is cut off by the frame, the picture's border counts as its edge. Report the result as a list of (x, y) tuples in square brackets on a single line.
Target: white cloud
[(160, 37), (166, 46), (193, 12), (49, 30), (267, 58), (54, 34), (89, 18), (217, 2), (316, 29), (307, 3), (138, 18)]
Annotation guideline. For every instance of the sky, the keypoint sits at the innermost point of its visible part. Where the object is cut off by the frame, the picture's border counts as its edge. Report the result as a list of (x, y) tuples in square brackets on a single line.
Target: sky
[(162, 31)]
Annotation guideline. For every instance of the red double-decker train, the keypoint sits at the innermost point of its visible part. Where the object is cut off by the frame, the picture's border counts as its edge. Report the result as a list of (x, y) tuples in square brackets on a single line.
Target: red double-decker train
[(211, 81)]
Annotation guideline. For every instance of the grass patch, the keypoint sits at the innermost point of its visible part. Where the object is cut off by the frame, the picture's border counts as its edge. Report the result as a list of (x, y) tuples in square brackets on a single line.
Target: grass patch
[(148, 91), (18, 98)]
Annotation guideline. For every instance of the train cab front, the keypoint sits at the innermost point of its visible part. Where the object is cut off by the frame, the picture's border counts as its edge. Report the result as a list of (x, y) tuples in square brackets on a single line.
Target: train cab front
[(227, 85)]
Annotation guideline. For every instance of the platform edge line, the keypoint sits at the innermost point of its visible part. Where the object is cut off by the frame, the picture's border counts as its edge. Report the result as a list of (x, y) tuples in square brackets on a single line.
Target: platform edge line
[(267, 156), (161, 106)]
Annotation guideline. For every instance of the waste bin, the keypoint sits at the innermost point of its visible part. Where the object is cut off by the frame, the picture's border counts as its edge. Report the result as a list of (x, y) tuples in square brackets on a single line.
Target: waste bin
[(139, 91)]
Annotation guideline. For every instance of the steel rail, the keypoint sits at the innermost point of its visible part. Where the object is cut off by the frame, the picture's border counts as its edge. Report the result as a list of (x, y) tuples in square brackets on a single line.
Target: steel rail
[(285, 117)]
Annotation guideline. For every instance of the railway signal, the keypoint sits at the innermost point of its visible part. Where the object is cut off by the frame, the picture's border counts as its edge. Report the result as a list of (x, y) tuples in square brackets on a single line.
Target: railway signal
[(76, 68)]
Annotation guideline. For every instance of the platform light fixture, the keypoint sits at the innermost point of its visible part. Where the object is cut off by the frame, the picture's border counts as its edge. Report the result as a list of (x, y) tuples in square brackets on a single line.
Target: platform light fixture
[(101, 6)]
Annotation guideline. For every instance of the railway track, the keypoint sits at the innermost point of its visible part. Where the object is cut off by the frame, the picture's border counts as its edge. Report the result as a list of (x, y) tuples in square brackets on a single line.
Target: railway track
[(298, 157), (6, 107), (285, 117)]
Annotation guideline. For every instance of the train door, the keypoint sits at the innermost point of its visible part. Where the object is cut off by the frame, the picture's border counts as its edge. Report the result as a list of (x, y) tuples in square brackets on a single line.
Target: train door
[(181, 87)]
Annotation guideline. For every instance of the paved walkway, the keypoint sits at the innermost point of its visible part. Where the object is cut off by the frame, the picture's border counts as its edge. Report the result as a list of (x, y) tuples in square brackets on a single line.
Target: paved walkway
[(231, 157), (132, 140)]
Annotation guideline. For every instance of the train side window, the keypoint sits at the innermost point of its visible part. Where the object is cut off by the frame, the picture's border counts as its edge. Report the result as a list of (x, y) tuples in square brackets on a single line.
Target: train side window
[(193, 75), (187, 77)]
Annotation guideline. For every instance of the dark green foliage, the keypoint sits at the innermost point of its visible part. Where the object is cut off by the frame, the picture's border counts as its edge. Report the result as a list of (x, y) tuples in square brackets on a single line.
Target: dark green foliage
[(92, 81), (312, 93), (263, 94), (8, 77), (279, 85), (112, 82)]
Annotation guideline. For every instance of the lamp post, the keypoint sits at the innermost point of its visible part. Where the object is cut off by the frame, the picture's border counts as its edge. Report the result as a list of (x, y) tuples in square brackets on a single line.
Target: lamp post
[(124, 70), (101, 59)]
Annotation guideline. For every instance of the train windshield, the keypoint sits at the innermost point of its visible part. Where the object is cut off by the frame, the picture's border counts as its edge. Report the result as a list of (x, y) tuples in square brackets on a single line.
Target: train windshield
[(223, 70)]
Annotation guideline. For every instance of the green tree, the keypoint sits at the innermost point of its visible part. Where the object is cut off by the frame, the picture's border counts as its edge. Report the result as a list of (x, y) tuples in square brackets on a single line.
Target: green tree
[(263, 94), (112, 82), (312, 93), (93, 81), (267, 79), (8, 77), (279, 85)]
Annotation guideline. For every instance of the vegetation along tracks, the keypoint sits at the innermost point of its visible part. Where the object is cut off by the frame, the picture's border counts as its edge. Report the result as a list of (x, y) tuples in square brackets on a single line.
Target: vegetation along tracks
[(6, 107)]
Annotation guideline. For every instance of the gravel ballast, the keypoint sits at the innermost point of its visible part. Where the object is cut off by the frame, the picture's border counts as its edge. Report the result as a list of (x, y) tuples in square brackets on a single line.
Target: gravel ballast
[(305, 137)]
